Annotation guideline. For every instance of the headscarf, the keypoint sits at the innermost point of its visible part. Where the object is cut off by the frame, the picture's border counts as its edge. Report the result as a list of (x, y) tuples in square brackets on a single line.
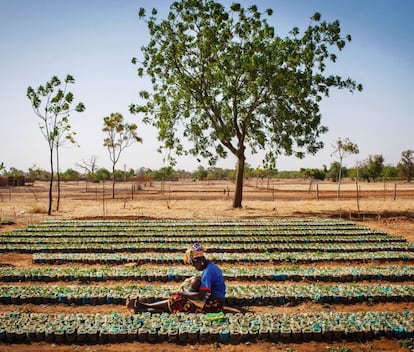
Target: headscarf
[(195, 251)]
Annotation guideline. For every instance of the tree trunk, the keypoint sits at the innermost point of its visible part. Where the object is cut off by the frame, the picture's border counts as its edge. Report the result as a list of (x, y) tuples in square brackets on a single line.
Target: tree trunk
[(113, 181), (49, 212), (58, 179), (338, 195), (238, 194)]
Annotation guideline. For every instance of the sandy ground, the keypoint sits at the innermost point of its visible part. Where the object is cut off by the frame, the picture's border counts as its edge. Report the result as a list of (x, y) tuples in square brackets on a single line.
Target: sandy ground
[(377, 210)]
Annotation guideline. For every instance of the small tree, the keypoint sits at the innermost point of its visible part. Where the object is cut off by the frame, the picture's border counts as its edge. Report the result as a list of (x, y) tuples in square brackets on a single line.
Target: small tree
[(71, 175), (406, 165), (201, 173), (342, 149), (34, 173), (313, 174), (222, 79), (372, 168), (52, 103), (333, 172), (120, 135), (102, 174)]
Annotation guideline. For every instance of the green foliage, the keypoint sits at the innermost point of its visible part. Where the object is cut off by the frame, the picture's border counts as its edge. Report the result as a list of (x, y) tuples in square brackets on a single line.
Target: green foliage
[(406, 165), (119, 135), (53, 103), (102, 174), (163, 174), (408, 344), (34, 173), (390, 172), (201, 173), (124, 175), (334, 172), (13, 172), (342, 149), (216, 173), (314, 174), (371, 169), (70, 174), (223, 80), (340, 349), (289, 174), (262, 173)]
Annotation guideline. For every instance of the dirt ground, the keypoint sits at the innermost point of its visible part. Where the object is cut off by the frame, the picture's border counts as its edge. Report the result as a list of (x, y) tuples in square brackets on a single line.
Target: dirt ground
[(377, 208)]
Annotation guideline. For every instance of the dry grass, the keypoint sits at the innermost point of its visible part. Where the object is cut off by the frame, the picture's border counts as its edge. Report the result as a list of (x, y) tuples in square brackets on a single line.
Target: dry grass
[(204, 209), (377, 205), (206, 200)]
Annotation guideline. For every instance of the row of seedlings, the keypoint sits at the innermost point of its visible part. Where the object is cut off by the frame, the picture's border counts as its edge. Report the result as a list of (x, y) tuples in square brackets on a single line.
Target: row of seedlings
[(204, 328)]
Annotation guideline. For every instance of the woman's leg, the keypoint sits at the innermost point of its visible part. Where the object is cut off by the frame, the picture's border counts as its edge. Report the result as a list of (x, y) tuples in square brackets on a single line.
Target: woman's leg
[(155, 307), (135, 305), (175, 304)]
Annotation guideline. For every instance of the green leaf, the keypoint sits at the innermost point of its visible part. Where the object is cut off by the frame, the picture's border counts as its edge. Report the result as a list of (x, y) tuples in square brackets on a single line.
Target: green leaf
[(316, 17)]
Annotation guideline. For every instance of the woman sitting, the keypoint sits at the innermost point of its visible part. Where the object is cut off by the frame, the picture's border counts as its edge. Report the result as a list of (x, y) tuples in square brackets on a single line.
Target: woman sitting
[(205, 294)]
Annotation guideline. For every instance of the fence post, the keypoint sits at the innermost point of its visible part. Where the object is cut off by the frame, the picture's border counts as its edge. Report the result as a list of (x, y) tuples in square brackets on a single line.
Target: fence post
[(103, 198), (395, 190)]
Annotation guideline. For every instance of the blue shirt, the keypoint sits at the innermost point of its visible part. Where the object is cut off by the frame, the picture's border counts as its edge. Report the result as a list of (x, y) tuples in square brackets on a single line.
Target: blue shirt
[(212, 280)]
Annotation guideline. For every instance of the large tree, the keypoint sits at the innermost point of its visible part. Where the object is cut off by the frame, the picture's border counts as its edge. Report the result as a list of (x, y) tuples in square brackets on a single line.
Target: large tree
[(53, 103), (119, 135), (224, 81)]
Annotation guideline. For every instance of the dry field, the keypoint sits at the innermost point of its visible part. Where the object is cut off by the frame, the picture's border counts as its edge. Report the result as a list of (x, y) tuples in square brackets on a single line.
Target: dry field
[(386, 207)]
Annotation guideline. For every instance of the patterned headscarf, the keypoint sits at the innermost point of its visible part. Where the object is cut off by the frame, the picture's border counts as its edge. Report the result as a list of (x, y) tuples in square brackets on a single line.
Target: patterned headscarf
[(195, 251)]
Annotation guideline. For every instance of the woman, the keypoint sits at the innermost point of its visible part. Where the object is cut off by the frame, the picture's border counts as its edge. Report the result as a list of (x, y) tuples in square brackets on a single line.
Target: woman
[(206, 295)]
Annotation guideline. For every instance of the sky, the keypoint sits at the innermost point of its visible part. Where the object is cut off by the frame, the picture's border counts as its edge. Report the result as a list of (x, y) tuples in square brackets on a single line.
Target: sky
[(94, 40)]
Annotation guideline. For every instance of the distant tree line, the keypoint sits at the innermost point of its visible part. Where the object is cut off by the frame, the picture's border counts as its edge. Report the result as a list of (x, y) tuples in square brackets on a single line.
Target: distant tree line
[(371, 170)]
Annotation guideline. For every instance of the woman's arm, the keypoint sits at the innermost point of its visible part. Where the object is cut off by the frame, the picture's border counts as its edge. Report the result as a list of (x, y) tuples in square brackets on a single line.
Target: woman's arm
[(200, 295)]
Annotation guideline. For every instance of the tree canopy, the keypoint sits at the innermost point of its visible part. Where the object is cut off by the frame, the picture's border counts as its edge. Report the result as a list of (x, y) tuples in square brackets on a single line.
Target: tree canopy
[(371, 168), (222, 79)]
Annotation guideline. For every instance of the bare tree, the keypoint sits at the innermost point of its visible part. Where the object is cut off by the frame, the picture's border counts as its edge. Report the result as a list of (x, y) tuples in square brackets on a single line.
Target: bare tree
[(89, 166)]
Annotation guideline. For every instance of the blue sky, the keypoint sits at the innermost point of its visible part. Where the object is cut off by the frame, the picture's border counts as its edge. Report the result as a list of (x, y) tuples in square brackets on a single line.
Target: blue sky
[(94, 40)]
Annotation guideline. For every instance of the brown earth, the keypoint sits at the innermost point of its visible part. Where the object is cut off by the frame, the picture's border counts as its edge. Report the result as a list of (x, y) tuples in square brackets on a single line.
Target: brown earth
[(385, 207)]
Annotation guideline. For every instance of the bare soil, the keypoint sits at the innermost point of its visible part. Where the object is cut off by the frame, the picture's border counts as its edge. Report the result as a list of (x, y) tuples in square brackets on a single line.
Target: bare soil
[(385, 207)]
